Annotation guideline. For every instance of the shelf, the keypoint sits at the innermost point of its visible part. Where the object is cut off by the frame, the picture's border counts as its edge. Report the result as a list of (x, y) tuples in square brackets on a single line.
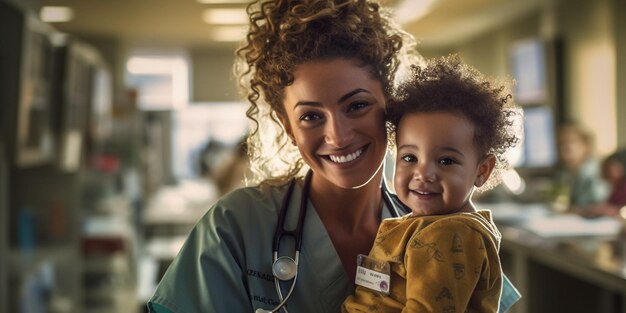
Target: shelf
[(25, 260)]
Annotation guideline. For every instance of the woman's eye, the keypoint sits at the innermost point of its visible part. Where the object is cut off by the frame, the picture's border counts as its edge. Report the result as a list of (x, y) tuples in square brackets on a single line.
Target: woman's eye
[(310, 117), (357, 106), (409, 158)]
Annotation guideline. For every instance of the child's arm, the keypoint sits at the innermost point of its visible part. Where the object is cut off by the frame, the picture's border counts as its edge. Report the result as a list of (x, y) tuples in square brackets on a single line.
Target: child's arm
[(452, 267)]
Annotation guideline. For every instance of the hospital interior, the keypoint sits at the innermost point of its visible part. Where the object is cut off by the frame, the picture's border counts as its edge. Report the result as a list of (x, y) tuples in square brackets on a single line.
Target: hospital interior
[(121, 123)]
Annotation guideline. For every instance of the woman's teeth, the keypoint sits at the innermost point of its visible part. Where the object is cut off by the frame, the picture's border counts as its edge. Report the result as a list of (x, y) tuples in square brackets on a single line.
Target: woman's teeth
[(346, 158)]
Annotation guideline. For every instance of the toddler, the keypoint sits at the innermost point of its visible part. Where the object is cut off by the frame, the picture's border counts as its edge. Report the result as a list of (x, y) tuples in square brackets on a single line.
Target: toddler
[(451, 128)]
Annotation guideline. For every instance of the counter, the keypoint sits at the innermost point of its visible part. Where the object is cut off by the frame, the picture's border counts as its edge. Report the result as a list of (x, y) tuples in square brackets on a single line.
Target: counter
[(562, 263)]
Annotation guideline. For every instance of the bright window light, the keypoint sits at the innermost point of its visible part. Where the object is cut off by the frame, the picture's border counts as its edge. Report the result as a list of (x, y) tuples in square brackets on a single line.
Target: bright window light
[(162, 82), (225, 16), (513, 181), (228, 33), (56, 14), (151, 65)]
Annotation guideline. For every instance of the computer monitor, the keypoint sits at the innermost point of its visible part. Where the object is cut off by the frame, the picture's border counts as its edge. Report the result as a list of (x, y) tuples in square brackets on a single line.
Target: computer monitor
[(538, 149), (528, 59)]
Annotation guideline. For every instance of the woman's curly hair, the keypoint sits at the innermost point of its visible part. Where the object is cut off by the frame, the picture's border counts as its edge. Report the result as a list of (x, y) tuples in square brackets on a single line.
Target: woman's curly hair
[(447, 85), (284, 34)]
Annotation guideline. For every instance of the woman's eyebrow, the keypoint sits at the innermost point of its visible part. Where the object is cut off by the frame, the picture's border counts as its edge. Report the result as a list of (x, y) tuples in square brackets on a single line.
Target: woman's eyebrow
[(307, 103), (341, 99), (352, 93)]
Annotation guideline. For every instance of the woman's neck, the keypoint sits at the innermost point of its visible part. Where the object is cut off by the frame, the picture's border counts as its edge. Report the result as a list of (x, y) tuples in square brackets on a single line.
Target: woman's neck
[(352, 209), (351, 217)]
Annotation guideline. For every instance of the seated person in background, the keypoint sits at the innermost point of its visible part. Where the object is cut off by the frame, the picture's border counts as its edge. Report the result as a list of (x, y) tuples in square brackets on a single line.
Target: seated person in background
[(614, 172), (233, 172), (578, 181), (451, 128)]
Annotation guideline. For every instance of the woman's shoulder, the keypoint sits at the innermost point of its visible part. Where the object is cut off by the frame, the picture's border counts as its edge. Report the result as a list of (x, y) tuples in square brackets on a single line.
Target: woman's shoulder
[(263, 193), (260, 199)]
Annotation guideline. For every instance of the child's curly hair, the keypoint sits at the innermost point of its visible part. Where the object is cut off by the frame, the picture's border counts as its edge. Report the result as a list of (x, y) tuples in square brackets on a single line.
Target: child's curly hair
[(284, 34), (447, 85)]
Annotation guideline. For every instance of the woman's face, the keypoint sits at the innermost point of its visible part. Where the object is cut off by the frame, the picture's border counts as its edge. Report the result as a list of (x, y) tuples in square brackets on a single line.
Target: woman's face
[(335, 113)]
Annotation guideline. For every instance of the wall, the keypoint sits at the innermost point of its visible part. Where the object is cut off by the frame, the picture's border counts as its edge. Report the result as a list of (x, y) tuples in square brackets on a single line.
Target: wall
[(590, 60), (212, 76), (589, 85), (30, 5), (495, 62), (620, 35)]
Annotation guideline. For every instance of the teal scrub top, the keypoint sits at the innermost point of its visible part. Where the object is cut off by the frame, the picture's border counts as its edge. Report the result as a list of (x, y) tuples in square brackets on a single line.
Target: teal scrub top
[(225, 264)]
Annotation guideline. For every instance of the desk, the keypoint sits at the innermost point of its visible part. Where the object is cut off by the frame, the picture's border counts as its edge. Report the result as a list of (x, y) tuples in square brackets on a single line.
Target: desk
[(564, 273)]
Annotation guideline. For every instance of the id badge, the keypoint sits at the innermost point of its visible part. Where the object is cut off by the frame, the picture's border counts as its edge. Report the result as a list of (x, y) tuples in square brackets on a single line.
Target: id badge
[(372, 274)]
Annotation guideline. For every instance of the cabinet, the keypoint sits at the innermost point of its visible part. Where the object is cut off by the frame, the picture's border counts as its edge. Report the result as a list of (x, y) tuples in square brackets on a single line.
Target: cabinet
[(4, 250), (47, 191)]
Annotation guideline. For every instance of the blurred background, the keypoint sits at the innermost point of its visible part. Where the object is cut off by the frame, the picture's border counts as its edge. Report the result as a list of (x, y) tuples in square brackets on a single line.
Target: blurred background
[(121, 123)]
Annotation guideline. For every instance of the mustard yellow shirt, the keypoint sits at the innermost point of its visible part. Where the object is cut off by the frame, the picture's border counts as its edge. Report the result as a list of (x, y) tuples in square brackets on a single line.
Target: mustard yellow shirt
[(440, 263)]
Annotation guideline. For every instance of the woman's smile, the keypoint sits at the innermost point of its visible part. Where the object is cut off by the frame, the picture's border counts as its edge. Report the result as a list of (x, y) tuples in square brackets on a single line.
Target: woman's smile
[(335, 113), (343, 158)]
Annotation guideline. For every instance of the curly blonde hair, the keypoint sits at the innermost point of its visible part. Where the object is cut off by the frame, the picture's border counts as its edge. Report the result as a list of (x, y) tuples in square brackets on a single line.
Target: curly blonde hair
[(446, 84), (284, 34)]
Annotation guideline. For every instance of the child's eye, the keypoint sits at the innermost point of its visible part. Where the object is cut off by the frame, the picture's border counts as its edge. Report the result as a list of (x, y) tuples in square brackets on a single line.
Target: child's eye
[(447, 161), (409, 158)]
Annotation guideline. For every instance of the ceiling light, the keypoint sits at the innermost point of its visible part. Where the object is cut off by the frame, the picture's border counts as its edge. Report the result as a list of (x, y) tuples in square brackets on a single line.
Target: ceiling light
[(225, 16), (152, 65), (228, 33), (56, 14)]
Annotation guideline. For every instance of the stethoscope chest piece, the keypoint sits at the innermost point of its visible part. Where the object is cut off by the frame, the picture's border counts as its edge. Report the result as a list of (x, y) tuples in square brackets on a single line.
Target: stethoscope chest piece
[(284, 268)]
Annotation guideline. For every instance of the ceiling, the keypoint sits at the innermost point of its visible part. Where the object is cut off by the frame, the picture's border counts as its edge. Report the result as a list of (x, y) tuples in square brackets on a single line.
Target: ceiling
[(179, 22)]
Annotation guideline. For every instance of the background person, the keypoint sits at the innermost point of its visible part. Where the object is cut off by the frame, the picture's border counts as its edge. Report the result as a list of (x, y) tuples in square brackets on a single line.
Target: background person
[(579, 182), (614, 173)]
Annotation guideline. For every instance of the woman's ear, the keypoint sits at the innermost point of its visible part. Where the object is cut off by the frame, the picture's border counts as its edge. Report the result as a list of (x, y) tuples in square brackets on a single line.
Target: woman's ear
[(285, 121), (484, 170)]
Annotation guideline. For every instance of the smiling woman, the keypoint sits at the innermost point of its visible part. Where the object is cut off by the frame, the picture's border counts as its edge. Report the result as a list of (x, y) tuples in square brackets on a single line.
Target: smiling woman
[(334, 114)]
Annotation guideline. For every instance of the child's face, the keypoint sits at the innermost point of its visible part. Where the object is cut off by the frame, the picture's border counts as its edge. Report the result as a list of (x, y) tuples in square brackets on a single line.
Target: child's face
[(613, 172), (437, 163)]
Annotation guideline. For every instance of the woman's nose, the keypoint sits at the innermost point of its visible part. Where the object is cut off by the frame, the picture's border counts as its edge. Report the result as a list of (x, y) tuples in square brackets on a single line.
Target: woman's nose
[(339, 131)]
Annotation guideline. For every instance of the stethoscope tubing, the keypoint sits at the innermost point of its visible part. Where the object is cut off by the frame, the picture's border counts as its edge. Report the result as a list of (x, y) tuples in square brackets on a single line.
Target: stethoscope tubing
[(297, 233)]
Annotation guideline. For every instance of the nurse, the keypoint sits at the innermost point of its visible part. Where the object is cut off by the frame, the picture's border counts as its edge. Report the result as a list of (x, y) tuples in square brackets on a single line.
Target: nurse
[(318, 76)]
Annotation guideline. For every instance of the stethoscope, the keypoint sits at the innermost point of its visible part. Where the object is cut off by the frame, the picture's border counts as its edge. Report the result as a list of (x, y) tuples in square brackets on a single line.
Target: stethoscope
[(285, 268)]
